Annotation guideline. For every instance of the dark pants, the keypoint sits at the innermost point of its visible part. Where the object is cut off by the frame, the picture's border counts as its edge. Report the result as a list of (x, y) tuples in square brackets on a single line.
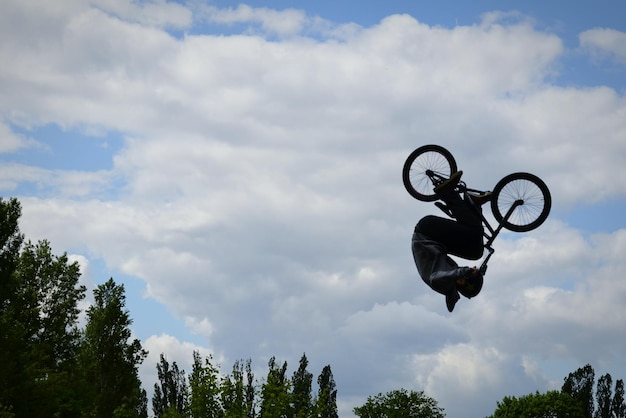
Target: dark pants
[(463, 237)]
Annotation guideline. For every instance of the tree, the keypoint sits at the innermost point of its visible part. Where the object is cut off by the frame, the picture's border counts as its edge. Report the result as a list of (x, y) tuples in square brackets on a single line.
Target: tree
[(6, 412), (38, 323), (142, 406), (205, 388), (39, 337), (109, 358), (250, 391), (604, 396), (234, 392), (10, 244), (326, 402), (301, 382), (618, 408), (400, 404), (550, 404), (11, 340), (48, 298), (170, 396), (579, 385), (275, 392)]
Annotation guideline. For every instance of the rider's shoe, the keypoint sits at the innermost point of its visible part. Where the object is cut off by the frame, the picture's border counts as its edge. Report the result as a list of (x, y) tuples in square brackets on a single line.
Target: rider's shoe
[(450, 183), (451, 300), (480, 198)]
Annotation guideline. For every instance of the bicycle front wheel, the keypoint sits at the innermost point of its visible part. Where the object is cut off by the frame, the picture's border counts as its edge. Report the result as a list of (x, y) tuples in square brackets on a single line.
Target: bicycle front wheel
[(532, 195), (420, 165)]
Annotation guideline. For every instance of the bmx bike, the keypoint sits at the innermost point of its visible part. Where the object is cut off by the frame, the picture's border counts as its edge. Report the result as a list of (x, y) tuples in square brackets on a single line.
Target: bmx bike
[(520, 202)]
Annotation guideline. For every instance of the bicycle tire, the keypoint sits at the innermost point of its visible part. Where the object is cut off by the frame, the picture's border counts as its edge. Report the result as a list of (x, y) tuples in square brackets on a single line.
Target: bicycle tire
[(427, 157), (531, 191)]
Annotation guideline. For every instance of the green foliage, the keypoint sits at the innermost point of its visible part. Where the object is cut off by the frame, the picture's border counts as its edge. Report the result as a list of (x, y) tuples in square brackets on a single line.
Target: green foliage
[(400, 404), (604, 396), (301, 398), (250, 391), (579, 385), (618, 408), (326, 403), (39, 295), (205, 388), (11, 335), (171, 395), (553, 404), (275, 392), (49, 367), (38, 316), (171, 412), (10, 338), (5, 412), (574, 400), (234, 392), (10, 243), (109, 358)]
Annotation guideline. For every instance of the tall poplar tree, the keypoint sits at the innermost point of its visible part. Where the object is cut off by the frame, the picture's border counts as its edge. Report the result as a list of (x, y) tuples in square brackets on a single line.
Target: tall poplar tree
[(326, 402), (110, 358), (301, 382), (170, 396), (204, 385), (579, 385), (47, 299), (11, 340), (604, 395), (250, 391), (39, 295), (275, 392), (618, 408), (234, 392)]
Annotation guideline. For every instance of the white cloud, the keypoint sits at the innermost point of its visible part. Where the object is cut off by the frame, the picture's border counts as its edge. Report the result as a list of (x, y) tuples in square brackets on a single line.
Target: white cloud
[(461, 376), (605, 42), (159, 13), (173, 350), (285, 22), (10, 141), (86, 279)]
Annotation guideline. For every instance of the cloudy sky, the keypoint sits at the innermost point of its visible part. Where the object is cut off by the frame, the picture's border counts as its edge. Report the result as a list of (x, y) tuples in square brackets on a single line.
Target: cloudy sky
[(238, 168)]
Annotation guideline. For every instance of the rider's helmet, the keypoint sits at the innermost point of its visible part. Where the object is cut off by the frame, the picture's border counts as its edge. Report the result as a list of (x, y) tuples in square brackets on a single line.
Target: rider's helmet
[(472, 285)]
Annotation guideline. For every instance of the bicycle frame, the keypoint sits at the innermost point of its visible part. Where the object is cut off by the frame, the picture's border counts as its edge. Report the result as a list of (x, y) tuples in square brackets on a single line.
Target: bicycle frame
[(488, 230), (493, 233)]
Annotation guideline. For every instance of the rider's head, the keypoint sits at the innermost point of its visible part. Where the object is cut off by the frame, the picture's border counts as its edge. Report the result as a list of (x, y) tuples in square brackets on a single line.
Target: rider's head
[(471, 285)]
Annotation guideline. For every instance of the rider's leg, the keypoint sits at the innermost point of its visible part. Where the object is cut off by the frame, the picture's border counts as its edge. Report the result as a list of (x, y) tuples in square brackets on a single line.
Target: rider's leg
[(460, 239), (463, 210)]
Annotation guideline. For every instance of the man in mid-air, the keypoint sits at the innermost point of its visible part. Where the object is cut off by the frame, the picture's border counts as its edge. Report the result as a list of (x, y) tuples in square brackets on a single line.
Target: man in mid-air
[(435, 238)]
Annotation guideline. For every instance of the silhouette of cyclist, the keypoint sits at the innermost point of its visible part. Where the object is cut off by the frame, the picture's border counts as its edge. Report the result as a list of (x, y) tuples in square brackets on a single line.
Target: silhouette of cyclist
[(435, 237)]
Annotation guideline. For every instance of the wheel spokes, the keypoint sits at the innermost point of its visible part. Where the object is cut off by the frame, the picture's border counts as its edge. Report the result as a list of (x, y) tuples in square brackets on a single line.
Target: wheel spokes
[(531, 196)]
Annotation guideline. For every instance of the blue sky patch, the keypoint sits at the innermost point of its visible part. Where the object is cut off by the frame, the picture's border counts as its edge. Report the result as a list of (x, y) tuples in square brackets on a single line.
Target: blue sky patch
[(603, 217), (59, 149)]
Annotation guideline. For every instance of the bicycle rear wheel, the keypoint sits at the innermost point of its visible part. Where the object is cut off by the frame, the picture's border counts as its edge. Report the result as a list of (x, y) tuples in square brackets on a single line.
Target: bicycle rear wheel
[(425, 160), (532, 194)]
